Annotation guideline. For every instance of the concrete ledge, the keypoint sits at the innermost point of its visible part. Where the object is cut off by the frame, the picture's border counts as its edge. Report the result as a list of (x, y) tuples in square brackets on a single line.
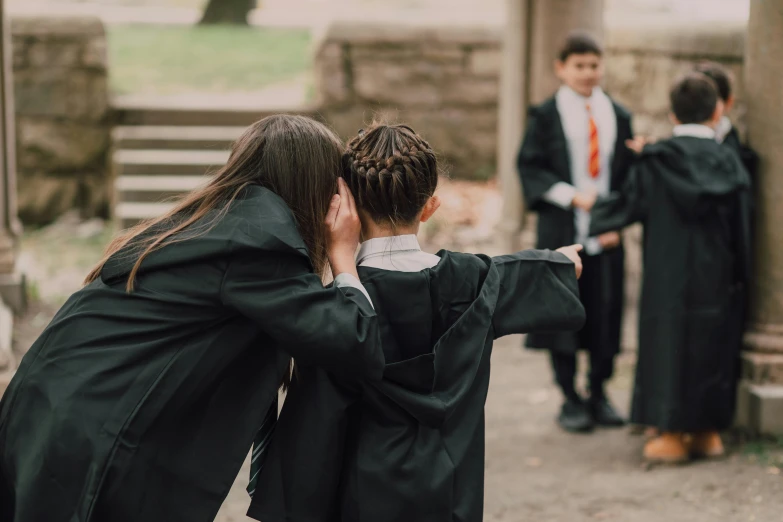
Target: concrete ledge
[(724, 40), (413, 32), (765, 409), (53, 27)]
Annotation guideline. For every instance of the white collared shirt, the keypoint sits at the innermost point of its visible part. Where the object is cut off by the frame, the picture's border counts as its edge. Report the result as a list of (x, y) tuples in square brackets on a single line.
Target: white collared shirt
[(694, 130), (572, 108), (343, 280), (723, 129), (398, 253)]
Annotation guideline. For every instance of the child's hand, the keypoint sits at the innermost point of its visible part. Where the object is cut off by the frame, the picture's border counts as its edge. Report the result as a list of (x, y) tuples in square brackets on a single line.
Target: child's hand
[(609, 240), (638, 142), (342, 231), (572, 253), (585, 200)]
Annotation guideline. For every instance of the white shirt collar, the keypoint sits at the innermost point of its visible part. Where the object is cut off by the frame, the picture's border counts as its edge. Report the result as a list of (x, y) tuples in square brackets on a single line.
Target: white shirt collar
[(723, 128), (379, 246), (694, 130), (571, 96)]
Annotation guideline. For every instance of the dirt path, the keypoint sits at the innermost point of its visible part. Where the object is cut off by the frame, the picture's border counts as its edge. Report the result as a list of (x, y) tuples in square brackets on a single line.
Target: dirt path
[(535, 472)]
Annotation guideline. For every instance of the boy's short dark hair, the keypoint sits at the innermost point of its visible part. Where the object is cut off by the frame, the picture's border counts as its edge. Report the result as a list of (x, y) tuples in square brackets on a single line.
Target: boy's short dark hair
[(580, 42), (694, 98), (718, 74)]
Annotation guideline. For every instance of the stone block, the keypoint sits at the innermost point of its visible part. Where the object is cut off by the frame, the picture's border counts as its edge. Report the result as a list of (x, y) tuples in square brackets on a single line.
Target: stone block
[(19, 48), (72, 94), (57, 27), (42, 197), (766, 409), (397, 83), (48, 54), (95, 54), (383, 52), (655, 75), (331, 78), (621, 78), (472, 90), (762, 368), (714, 41), (486, 62), (55, 145)]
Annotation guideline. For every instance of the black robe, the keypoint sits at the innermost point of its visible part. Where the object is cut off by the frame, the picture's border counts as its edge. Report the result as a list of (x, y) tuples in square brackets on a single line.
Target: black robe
[(143, 406), (544, 161), (747, 155), (411, 447), (692, 196)]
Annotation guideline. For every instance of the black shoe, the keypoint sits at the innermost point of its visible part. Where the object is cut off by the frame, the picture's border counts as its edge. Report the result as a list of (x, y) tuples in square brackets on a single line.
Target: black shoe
[(604, 414), (575, 417)]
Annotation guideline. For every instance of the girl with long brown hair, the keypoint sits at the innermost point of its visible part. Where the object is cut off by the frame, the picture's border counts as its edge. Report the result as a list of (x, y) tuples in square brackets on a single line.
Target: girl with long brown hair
[(140, 400)]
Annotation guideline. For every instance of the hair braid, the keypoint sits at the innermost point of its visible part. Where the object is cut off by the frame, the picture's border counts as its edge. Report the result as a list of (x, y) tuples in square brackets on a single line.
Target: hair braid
[(392, 172)]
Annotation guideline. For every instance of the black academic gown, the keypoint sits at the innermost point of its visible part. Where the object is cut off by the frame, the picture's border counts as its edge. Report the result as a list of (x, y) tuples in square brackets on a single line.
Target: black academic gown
[(142, 407), (544, 161), (692, 196), (747, 155), (411, 447)]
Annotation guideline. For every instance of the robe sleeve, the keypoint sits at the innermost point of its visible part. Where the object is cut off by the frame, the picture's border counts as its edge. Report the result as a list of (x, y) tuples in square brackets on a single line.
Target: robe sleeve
[(539, 292), (300, 478), (623, 208), (537, 178), (334, 328)]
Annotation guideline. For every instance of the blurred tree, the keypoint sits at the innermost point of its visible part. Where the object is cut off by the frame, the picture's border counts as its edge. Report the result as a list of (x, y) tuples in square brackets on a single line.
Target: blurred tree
[(227, 12)]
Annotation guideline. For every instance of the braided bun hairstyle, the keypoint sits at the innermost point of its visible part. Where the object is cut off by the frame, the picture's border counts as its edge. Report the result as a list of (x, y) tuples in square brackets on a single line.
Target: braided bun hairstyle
[(392, 173)]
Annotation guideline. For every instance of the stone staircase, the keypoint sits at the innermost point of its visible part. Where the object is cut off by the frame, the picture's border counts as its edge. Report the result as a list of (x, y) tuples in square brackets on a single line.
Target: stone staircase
[(164, 148)]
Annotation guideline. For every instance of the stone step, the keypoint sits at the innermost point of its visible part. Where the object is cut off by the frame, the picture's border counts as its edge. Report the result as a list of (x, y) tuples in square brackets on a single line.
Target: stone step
[(152, 189), (175, 137), (197, 110), (146, 162), (131, 213)]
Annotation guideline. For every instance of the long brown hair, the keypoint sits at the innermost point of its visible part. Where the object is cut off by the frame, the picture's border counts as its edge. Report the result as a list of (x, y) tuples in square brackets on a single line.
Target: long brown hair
[(295, 157), (392, 172)]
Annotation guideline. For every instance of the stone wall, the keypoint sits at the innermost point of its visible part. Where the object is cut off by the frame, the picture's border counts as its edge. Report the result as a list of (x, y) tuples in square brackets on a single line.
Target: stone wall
[(441, 81), (444, 80), (62, 108)]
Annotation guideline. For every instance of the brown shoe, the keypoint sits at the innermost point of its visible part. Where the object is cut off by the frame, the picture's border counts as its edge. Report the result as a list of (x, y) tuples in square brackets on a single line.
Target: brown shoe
[(666, 448), (707, 445)]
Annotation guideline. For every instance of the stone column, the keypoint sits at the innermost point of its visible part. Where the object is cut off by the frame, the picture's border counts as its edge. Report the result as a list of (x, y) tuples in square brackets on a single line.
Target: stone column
[(10, 284), (512, 106), (535, 30), (761, 393)]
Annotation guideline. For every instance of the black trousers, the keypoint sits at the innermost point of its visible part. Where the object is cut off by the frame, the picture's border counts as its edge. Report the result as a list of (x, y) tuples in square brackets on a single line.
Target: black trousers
[(602, 296)]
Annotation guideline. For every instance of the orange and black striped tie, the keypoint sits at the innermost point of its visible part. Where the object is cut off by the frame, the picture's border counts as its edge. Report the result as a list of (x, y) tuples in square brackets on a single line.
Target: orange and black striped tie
[(594, 168)]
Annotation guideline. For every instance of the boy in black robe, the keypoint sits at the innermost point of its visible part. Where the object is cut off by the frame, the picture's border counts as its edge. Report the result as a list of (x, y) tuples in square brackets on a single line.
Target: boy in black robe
[(410, 448), (692, 195), (725, 131), (574, 149)]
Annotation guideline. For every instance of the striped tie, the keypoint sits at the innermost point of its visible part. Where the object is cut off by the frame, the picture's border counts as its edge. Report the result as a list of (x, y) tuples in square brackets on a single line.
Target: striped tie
[(260, 445), (594, 168)]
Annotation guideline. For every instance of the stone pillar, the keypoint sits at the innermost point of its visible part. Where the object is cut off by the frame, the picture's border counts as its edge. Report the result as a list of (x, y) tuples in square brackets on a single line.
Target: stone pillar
[(761, 392), (512, 106), (536, 29), (10, 283)]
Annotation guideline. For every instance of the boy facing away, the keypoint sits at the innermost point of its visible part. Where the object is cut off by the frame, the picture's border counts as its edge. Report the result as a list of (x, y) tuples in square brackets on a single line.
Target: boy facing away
[(410, 448), (575, 149), (692, 196)]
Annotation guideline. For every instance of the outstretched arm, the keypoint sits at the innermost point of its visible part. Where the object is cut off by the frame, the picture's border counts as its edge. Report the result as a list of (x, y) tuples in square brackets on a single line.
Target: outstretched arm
[(620, 209), (538, 293)]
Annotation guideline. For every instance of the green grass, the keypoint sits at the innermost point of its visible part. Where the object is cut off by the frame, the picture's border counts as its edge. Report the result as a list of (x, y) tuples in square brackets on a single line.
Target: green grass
[(172, 60)]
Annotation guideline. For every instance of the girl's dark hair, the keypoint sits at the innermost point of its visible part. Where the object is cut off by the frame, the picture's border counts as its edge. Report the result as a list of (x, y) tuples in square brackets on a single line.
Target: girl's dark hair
[(718, 74), (295, 157), (391, 171), (579, 42)]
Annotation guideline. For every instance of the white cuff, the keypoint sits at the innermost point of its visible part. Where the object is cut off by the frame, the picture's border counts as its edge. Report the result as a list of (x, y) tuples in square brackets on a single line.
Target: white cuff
[(560, 194), (345, 279), (593, 246)]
